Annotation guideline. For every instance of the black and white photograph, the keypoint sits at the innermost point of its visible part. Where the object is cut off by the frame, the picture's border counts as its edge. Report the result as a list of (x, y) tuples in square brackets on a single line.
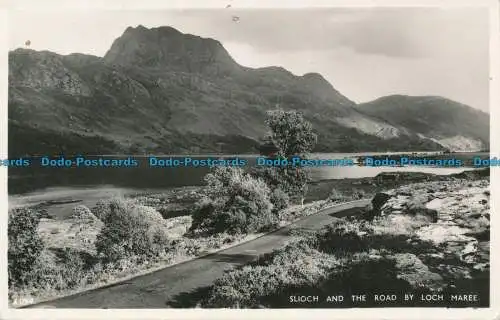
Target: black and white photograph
[(240, 157)]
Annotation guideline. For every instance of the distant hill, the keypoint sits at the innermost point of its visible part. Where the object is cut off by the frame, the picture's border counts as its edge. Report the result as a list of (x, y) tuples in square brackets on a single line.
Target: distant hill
[(449, 123), (162, 91)]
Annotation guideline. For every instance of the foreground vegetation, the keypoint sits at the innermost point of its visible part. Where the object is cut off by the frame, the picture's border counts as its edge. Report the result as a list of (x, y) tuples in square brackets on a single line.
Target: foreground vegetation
[(121, 237), (116, 239), (392, 248)]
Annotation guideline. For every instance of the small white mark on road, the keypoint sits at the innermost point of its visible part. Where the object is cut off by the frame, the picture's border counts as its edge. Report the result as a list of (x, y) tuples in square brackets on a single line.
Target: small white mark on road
[(46, 306)]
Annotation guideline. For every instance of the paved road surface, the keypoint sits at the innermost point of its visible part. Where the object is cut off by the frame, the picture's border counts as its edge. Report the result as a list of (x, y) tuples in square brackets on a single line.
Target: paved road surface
[(175, 286)]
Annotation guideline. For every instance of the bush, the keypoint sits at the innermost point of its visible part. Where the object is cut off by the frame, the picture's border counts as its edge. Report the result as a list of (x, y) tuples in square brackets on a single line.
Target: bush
[(358, 194), (279, 199), (270, 175), (25, 245), (132, 230), (336, 196), (290, 267), (65, 269), (292, 181), (81, 212), (103, 207), (235, 203), (346, 235)]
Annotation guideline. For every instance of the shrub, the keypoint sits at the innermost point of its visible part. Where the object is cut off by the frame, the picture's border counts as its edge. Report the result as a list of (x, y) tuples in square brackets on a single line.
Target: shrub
[(204, 214), (132, 230), (25, 245), (279, 199), (103, 207), (348, 235), (270, 175), (293, 181), (358, 194), (64, 269), (336, 196), (81, 212), (150, 201), (293, 266), (235, 202)]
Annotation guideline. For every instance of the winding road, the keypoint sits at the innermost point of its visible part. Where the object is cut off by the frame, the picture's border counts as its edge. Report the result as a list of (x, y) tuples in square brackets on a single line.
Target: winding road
[(179, 285)]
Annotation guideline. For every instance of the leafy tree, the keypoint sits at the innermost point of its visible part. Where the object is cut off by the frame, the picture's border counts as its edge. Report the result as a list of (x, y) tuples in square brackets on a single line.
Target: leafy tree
[(294, 136), (291, 133)]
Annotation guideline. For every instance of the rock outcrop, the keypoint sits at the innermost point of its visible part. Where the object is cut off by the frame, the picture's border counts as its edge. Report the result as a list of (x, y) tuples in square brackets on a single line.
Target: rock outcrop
[(458, 218)]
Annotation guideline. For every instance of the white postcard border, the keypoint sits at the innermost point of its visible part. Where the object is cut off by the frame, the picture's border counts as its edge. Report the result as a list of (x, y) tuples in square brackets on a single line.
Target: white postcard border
[(355, 313)]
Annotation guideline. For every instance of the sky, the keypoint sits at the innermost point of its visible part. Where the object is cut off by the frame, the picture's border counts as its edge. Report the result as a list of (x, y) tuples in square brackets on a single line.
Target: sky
[(365, 53)]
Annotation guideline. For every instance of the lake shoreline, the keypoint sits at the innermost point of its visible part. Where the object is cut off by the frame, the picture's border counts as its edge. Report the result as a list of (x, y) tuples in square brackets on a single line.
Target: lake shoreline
[(63, 199)]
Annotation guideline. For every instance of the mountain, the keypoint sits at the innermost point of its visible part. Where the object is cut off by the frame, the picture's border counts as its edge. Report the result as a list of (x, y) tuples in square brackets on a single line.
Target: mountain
[(162, 91), (449, 123)]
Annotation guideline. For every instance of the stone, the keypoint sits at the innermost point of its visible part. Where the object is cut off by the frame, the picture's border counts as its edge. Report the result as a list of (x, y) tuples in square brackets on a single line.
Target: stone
[(373, 209), (379, 200), (405, 193), (481, 266), (417, 208), (455, 272), (411, 269)]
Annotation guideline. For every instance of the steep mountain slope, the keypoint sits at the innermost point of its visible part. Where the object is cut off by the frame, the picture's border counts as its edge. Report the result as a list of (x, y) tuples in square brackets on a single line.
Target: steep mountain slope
[(451, 124), (161, 91)]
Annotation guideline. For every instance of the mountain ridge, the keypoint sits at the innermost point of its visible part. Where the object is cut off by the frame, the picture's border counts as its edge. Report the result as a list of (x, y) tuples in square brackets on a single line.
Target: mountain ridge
[(160, 90)]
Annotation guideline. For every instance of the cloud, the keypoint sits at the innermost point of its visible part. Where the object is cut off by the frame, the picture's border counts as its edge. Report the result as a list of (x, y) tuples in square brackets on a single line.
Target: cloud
[(393, 32)]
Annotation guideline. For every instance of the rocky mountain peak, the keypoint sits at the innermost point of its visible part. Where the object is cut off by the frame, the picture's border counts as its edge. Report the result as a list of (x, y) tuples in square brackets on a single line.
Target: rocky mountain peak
[(184, 92), (167, 47)]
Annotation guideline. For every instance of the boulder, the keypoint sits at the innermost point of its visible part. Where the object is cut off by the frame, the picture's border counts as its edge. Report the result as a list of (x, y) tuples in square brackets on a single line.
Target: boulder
[(405, 192), (418, 207), (411, 269), (379, 200), (432, 214), (373, 209)]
